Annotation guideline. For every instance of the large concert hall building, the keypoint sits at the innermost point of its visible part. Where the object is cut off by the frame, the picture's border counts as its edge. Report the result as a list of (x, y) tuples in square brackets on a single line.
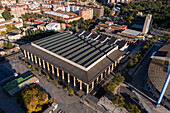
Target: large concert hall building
[(81, 62)]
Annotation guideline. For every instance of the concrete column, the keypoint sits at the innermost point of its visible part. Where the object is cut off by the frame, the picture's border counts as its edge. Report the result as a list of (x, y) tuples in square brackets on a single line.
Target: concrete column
[(63, 75), (105, 73), (48, 66), (97, 80), (93, 85), (118, 61), (52, 66), (25, 54), (87, 88), (35, 59), (80, 84), (115, 63), (74, 81), (101, 76), (43, 64), (57, 72), (39, 61), (68, 78), (112, 66), (109, 70), (32, 59), (28, 55)]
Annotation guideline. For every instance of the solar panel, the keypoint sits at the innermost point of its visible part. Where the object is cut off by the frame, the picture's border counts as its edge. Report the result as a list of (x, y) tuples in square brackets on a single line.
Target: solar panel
[(79, 50)]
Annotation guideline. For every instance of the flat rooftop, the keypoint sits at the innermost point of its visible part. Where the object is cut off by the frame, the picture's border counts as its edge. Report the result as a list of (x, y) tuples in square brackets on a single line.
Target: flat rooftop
[(132, 32), (81, 51), (82, 58)]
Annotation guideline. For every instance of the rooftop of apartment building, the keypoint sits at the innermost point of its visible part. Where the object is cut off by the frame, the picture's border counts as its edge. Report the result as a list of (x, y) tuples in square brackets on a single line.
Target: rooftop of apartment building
[(63, 14)]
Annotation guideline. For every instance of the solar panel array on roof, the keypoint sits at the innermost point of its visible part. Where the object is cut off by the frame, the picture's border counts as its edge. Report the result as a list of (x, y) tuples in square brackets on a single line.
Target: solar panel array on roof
[(85, 34), (82, 51), (94, 36), (79, 32), (112, 41), (121, 43), (102, 37)]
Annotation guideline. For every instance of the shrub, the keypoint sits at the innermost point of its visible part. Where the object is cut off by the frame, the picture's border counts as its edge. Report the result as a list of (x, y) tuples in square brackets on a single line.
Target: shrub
[(48, 77), (51, 100), (56, 82), (116, 81), (29, 66), (33, 68), (65, 88), (71, 92)]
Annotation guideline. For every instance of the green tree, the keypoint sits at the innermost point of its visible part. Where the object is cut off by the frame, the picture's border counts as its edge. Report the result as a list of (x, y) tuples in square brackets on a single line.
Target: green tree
[(24, 24), (6, 15), (32, 99), (48, 77), (71, 92), (14, 28), (10, 46), (56, 82), (9, 28), (3, 32), (65, 88), (6, 8), (76, 29)]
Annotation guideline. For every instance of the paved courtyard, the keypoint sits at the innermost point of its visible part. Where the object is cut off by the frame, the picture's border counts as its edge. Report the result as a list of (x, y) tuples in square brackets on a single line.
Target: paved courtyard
[(69, 104), (8, 103)]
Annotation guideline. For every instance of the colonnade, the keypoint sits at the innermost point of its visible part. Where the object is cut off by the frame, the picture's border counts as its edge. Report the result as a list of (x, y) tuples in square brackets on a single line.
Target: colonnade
[(55, 71)]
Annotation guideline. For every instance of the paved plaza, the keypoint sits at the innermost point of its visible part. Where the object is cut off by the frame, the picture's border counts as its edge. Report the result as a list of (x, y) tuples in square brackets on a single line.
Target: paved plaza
[(69, 104)]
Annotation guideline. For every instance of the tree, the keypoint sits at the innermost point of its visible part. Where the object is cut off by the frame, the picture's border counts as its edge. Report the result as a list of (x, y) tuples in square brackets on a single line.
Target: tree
[(10, 46), (14, 28), (9, 28), (29, 66), (71, 92), (33, 68), (116, 81), (3, 32), (76, 29), (6, 8), (24, 24), (32, 98), (48, 77), (56, 82), (65, 88), (6, 15)]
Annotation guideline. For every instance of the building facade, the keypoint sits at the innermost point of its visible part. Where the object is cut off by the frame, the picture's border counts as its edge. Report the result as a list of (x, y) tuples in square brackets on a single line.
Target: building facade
[(17, 11), (62, 15), (86, 13)]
